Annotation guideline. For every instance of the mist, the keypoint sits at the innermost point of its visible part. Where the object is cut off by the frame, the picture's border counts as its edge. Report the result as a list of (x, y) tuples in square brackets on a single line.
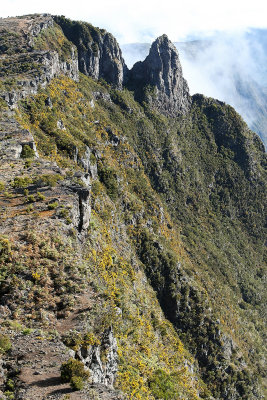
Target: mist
[(231, 67)]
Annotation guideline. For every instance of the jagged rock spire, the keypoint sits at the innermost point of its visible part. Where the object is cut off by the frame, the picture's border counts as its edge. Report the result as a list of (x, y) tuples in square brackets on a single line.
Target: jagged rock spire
[(161, 72)]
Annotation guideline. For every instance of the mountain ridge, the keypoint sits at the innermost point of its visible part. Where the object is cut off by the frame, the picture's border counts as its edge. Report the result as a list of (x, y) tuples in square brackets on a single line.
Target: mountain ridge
[(118, 214)]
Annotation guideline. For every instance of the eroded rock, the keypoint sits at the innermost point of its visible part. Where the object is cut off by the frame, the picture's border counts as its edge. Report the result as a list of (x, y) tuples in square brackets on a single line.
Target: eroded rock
[(159, 79), (101, 360), (14, 138)]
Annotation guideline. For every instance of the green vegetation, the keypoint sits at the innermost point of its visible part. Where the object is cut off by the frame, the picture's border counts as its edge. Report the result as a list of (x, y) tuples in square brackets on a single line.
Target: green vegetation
[(108, 177), (73, 371), (27, 152), (82, 34), (25, 64), (54, 39), (52, 206), (163, 386), (5, 248), (5, 343), (21, 182), (9, 42)]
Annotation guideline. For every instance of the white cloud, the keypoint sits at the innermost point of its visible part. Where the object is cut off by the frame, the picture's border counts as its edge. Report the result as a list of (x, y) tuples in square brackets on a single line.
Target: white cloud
[(142, 20)]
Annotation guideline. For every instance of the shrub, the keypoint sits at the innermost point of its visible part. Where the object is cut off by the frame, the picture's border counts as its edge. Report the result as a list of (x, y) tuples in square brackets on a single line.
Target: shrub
[(77, 383), (73, 371), (5, 343), (10, 384), (31, 198), (29, 208), (72, 339), (28, 163), (162, 386), (27, 331), (109, 178), (2, 186), (21, 182), (52, 206), (64, 213), (48, 180), (5, 247), (40, 196), (9, 395), (27, 152), (96, 188)]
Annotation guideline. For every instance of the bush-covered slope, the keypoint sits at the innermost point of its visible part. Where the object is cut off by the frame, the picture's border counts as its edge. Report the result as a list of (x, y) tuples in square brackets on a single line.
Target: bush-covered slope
[(129, 219)]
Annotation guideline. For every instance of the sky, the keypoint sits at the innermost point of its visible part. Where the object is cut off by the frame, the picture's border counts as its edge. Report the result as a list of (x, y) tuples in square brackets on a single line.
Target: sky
[(144, 20)]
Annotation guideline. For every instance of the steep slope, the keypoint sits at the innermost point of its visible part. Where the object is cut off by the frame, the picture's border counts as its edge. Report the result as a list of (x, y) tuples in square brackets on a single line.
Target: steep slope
[(131, 234)]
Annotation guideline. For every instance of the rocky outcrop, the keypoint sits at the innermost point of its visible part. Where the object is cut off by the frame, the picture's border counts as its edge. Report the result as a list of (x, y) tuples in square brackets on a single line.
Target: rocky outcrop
[(36, 68), (81, 212), (84, 209), (159, 79), (37, 24), (50, 66), (14, 140), (18, 33), (101, 360), (87, 163), (99, 53)]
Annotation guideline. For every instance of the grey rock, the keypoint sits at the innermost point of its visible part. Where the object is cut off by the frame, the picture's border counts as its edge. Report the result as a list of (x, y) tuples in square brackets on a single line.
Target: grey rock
[(113, 139), (228, 346), (110, 345), (37, 25), (2, 396), (37, 373), (61, 126), (102, 96), (85, 209), (81, 211), (48, 102), (160, 79), (76, 152), (71, 353), (3, 373), (13, 140), (87, 164), (101, 372), (50, 67)]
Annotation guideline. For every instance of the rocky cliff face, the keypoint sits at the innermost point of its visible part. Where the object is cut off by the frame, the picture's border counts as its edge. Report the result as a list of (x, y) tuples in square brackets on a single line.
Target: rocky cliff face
[(161, 75), (98, 51), (24, 67)]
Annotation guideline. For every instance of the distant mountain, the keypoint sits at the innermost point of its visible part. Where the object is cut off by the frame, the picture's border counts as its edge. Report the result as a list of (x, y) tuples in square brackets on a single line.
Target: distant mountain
[(230, 67)]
